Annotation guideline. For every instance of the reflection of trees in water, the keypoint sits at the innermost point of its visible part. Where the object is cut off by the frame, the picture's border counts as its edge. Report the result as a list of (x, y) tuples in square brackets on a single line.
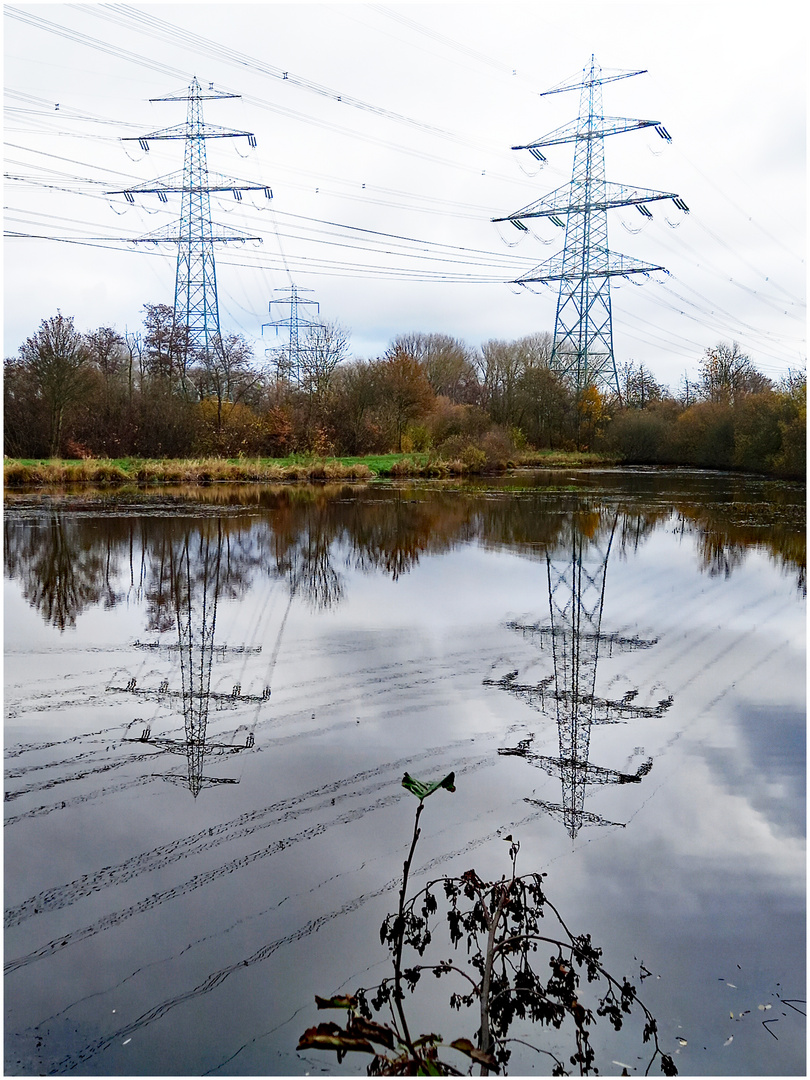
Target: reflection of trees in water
[(167, 543), (717, 555), (392, 534), (298, 548), (61, 571), (67, 562), (311, 534), (722, 546), (634, 528)]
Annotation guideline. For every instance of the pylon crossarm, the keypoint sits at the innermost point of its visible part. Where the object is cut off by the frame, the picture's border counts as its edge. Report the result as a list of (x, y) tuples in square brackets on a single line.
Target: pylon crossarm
[(573, 276), (556, 202), (174, 183), (624, 195), (585, 818), (180, 131), (171, 234), (603, 125), (553, 270), (199, 782), (576, 82), (561, 201), (198, 95)]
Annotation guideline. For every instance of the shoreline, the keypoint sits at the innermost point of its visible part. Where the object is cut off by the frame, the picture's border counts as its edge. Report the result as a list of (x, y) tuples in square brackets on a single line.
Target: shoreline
[(113, 472)]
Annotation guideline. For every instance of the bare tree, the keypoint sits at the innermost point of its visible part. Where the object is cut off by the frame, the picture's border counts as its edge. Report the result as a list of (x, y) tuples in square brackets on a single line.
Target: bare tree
[(226, 373), (355, 404), (107, 351), (133, 341), (727, 375), (545, 406), (447, 362), (56, 358), (501, 368), (325, 345), (688, 391), (167, 348), (638, 386), (535, 350)]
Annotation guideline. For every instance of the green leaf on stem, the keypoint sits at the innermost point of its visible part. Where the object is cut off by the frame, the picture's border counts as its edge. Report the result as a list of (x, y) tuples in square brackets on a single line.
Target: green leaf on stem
[(421, 789)]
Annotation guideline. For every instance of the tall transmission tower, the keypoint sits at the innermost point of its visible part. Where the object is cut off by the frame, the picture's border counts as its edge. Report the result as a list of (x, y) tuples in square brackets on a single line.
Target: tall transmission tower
[(195, 296), (576, 592), (289, 368), (583, 327)]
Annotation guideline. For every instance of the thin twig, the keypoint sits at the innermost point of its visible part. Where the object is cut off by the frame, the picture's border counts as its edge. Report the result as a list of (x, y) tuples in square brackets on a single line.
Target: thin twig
[(400, 938)]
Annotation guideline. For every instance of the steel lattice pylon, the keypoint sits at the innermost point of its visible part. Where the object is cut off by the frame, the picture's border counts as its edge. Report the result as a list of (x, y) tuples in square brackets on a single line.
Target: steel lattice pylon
[(195, 294), (583, 327), (196, 304), (290, 367)]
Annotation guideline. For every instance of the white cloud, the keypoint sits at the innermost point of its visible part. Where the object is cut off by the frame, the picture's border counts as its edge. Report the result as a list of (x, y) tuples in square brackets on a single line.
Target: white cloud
[(727, 83)]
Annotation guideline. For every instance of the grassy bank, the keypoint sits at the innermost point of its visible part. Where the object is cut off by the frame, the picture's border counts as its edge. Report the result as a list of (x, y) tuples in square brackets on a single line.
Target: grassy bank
[(42, 473)]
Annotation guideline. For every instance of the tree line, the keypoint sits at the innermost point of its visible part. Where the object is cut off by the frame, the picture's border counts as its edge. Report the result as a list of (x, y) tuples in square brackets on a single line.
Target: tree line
[(149, 393)]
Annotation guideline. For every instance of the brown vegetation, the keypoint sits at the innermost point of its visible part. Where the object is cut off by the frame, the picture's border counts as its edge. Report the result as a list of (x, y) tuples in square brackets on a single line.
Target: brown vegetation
[(103, 397)]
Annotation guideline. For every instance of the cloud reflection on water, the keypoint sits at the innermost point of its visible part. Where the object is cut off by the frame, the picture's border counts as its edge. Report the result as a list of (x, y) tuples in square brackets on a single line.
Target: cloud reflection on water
[(208, 922)]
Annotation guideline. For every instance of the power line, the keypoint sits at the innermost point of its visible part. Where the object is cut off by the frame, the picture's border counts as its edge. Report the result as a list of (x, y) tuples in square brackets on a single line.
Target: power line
[(174, 34), (166, 31)]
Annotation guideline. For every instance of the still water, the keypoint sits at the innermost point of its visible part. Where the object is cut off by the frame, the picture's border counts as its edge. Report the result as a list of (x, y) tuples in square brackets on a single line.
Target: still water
[(211, 697)]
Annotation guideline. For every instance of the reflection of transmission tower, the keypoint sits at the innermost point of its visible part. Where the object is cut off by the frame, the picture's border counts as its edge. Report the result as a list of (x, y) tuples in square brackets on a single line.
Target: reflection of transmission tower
[(195, 589), (583, 329), (195, 297), (289, 369), (576, 590), (195, 628)]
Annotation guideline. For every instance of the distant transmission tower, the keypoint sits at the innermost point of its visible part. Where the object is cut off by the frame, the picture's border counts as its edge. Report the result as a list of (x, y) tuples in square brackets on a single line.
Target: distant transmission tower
[(583, 327), (195, 294), (290, 367)]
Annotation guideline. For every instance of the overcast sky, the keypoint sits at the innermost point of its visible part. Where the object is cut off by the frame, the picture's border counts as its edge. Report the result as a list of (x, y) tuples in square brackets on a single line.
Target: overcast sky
[(384, 133)]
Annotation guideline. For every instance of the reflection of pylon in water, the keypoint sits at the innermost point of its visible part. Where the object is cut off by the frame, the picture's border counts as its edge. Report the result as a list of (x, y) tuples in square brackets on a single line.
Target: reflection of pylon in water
[(195, 627), (575, 775), (195, 581), (576, 591)]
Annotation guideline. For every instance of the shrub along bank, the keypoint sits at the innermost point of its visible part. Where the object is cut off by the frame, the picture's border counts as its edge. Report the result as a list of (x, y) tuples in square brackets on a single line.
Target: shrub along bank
[(110, 399)]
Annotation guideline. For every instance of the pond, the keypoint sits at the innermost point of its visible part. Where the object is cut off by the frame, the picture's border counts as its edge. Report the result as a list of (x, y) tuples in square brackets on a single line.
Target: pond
[(211, 696)]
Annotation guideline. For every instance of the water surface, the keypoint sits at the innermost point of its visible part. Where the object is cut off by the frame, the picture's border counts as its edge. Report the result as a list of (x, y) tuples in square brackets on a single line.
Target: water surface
[(212, 695)]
